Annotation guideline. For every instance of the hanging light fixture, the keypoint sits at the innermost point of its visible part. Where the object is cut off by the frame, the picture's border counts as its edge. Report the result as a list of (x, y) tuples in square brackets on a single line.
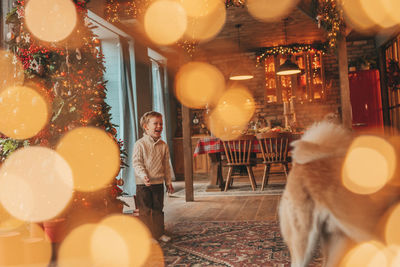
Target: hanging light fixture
[(241, 72), (288, 67)]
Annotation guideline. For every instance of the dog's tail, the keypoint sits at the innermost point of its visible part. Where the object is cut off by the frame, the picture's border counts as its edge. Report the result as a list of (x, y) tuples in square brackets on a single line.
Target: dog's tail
[(321, 140)]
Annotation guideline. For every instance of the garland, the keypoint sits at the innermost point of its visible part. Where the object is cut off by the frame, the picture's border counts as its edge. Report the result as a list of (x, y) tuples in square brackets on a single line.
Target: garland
[(290, 50), (330, 17)]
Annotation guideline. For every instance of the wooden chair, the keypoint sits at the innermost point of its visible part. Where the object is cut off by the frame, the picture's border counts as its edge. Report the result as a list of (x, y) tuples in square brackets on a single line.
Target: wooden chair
[(274, 148), (237, 153)]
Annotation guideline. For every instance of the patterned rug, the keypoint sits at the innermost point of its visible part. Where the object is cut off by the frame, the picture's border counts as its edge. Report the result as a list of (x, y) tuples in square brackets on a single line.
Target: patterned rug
[(227, 244), (237, 189)]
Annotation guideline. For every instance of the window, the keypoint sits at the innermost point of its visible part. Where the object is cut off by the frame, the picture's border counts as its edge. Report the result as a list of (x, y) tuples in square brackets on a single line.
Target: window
[(306, 86), (392, 67), (118, 51)]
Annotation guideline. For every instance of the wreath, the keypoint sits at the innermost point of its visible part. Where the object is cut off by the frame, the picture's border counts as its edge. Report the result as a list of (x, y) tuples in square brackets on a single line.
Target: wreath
[(393, 74)]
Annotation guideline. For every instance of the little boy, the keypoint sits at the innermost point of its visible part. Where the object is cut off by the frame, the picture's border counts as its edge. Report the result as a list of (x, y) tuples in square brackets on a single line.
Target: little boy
[(152, 168)]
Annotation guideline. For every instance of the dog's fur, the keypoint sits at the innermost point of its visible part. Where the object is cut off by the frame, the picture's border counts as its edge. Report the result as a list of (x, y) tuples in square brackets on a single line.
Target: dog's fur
[(315, 207)]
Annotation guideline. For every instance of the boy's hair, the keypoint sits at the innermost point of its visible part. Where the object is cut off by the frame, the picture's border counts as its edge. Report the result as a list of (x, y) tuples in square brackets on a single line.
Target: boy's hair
[(147, 116)]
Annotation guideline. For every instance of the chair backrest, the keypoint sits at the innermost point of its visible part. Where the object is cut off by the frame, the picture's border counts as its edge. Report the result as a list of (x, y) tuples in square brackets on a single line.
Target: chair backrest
[(274, 146), (238, 151)]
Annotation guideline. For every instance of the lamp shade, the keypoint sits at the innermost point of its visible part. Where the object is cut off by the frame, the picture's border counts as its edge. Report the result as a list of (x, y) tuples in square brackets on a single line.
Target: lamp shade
[(288, 68), (240, 73)]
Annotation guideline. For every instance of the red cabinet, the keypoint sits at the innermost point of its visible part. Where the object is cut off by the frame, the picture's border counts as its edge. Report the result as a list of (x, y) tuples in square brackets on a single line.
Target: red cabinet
[(365, 96)]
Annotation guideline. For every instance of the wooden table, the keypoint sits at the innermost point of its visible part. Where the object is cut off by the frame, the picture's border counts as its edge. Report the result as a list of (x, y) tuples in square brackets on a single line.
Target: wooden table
[(213, 146)]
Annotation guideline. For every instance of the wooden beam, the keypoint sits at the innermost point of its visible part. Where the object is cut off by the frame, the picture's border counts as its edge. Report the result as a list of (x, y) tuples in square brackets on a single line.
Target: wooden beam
[(187, 154), (347, 116)]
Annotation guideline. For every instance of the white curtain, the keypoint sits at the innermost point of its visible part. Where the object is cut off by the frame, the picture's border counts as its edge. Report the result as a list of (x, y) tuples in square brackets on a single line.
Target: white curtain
[(159, 95)]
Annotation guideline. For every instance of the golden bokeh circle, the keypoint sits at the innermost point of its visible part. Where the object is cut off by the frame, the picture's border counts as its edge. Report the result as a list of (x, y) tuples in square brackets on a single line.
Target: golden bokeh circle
[(93, 156), (50, 20), (165, 22), (35, 184), (198, 84), (23, 112)]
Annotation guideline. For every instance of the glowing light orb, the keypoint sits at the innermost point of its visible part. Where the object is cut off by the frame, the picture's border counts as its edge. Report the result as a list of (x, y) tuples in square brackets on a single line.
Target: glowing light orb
[(7, 221), (23, 112), (365, 254), (392, 231), (35, 184), (50, 20), (270, 10), (205, 27), (375, 10), (165, 22), (93, 155), (195, 8), (356, 16), (392, 7), (234, 110), (369, 165), (11, 70), (75, 249), (199, 84), (120, 240)]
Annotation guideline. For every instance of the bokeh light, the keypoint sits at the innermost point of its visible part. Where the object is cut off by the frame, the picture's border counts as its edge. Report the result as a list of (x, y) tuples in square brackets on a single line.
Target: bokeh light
[(75, 249), (36, 249), (23, 112), (156, 257), (392, 7), (205, 27), (120, 240), (356, 16), (270, 10), (216, 125), (50, 20), (392, 230), (165, 22), (377, 12), (19, 248), (369, 254), (199, 84), (93, 155), (370, 163), (7, 221), (11, 70), (234, 110), (35, 184), (195, 8)]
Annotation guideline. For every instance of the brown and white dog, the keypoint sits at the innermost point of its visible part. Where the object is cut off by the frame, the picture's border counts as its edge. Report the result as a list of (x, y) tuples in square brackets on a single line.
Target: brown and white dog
[(316, 207)]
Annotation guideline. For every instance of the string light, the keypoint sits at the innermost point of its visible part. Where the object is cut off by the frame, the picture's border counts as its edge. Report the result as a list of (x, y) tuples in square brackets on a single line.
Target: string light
[(290, 50), (330, 16)]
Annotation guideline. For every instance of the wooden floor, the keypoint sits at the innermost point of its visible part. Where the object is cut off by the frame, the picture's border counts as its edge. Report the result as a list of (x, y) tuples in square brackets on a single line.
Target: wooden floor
[(223, 208)]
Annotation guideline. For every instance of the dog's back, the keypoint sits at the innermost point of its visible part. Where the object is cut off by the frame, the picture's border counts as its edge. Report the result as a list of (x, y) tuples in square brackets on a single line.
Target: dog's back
[(316, 206)]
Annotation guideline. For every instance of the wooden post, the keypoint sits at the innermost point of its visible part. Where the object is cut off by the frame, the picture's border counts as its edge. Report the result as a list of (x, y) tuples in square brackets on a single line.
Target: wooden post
[(347, 116), (187, 154)]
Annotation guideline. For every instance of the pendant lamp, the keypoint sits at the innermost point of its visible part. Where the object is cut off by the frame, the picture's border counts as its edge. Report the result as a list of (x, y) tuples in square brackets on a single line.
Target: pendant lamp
[(287, 68), (240, 72)]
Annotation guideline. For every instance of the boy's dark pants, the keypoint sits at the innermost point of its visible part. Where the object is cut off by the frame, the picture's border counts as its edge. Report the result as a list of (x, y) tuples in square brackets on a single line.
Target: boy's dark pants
[(150, 201)]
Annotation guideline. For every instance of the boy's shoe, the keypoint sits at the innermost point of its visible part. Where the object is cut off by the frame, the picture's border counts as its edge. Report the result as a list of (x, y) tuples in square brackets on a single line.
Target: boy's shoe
[(164, 238)]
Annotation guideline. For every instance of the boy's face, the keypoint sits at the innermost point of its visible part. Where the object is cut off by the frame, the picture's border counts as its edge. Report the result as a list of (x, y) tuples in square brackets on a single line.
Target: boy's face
[(154, 127)]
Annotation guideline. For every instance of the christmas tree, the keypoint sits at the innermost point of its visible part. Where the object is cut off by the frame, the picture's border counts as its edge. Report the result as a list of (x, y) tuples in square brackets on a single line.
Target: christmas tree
[(69, 74)]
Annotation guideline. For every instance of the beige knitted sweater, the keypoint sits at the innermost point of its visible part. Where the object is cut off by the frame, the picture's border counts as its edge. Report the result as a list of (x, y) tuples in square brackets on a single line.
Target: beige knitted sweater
[(151, 159)]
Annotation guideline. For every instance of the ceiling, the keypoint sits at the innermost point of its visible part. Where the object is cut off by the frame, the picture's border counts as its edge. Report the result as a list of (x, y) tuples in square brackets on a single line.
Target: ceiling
[(254, 34)]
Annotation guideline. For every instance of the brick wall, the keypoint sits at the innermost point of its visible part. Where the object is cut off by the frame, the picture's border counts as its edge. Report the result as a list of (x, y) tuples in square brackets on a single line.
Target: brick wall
[(306, 113)]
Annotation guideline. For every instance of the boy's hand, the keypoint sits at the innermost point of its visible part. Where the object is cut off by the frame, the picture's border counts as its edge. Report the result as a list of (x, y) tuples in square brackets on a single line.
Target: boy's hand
[(146, 181), (170, 188)]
